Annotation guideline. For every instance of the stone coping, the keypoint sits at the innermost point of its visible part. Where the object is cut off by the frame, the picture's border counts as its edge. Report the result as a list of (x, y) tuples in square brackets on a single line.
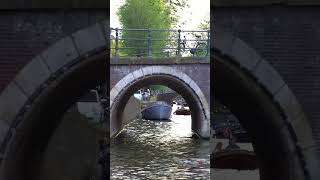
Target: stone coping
[(229, 3), (169, 61), (53, 4)]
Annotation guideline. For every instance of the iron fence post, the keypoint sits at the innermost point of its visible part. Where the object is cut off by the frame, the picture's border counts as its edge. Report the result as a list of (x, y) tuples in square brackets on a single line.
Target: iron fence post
[(208, 44), (116, 53), (149, 43), (179, 42)]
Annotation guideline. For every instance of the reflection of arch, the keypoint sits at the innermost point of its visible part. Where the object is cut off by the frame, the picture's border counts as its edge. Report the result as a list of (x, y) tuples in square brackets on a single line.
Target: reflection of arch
[(164, 75), (254, 91), (32, 104)]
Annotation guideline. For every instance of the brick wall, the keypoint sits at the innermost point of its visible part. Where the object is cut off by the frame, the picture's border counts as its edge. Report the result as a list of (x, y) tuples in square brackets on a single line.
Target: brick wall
[(25, 33), (287, 37), (199, 73)]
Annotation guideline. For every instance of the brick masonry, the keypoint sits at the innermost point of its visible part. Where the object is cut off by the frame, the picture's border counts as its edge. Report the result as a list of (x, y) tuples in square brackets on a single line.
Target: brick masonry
[(19, 92), (199, 72), (194, 80), (26, 33), (287, 37)]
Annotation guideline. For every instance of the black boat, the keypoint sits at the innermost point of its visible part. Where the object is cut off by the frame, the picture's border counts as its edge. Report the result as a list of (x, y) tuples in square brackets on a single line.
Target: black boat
[(223, 121), (158, 110), (234, 159), (182, 111)]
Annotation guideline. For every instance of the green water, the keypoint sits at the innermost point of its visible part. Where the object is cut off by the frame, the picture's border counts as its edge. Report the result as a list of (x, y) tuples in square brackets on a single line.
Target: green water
[(159, 150)]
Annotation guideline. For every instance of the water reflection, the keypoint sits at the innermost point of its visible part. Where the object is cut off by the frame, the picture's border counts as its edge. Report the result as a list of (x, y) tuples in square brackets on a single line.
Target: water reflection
[(160, 150)]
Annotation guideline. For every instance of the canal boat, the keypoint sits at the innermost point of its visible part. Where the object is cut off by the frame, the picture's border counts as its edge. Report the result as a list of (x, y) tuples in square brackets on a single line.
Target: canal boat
[(142, 96), (234, 159), (223, 121), (158, 110), (182, 111), (138, 95)]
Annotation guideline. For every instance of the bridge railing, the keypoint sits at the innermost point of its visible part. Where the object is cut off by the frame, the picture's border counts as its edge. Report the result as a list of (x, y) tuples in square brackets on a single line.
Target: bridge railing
[(159, 43)]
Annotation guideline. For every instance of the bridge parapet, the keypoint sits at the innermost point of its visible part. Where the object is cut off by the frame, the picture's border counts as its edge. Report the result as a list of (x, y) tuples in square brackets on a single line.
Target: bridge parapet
[(159, 43), (198, 69), (159, 60), (255, 3)]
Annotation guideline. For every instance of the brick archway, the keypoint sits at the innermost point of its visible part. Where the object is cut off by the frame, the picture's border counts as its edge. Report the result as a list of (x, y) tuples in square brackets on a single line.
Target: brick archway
[(261, 86), (31, 106), (165, 75)]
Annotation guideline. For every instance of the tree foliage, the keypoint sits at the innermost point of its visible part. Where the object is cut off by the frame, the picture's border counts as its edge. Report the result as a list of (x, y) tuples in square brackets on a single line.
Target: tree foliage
[(145, 14), (205, 25), (113, 51)]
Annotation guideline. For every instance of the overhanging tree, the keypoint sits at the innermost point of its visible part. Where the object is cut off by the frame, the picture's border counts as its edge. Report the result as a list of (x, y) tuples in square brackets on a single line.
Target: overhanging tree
[(145, 14)]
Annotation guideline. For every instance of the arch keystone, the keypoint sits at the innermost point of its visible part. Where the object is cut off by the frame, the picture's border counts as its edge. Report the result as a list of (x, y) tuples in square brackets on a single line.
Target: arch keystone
[(147, 70), (157, 69)]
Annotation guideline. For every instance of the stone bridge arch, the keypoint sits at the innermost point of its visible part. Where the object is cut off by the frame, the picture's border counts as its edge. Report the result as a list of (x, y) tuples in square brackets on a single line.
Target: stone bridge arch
[(255, 92), (32, 105), (164, 75)]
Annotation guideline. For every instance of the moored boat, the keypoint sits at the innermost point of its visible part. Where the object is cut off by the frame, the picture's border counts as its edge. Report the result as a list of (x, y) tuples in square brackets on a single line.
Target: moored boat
[(158, 110), (182, 111), (234, 159)]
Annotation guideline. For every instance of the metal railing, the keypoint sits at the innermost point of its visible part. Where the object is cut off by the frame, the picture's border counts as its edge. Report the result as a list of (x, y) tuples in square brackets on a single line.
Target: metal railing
[(159, 43)]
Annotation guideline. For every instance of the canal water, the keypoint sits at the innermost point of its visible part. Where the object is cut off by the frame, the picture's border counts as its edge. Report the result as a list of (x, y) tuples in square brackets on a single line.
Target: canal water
[(159, 150)]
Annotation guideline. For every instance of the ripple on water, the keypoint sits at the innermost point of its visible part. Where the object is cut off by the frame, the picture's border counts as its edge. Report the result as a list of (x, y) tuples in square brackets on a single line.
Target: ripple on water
[(159, 150)]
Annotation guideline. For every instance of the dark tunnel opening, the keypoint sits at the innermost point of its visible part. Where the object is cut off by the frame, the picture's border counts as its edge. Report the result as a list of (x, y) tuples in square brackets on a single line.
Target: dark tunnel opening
[(171, 82), (236, 89), (259, 115), (40, 122)]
